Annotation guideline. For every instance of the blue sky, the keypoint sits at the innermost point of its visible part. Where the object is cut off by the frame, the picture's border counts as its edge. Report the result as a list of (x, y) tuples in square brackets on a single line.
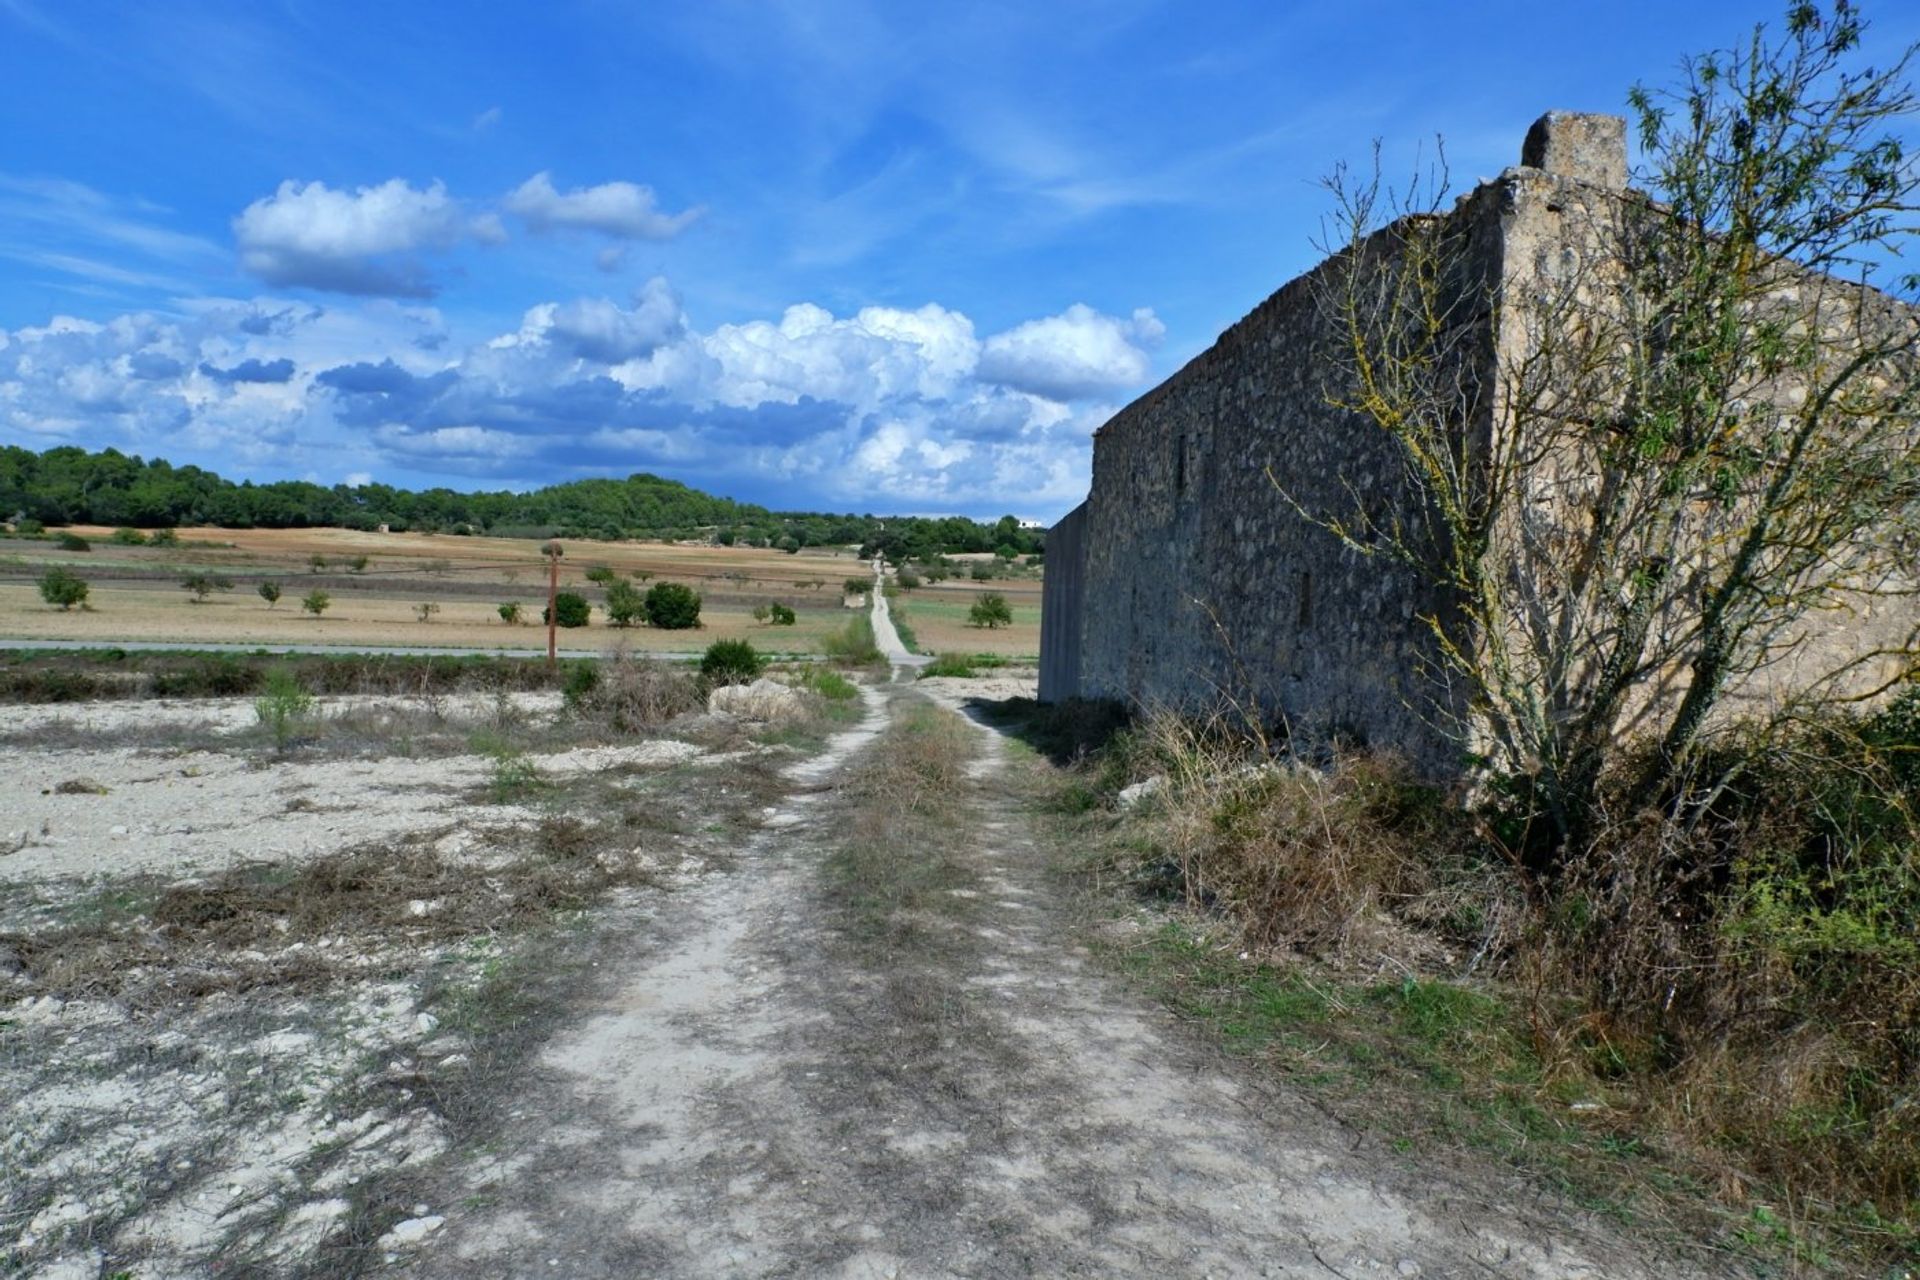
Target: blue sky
[(875, 257)]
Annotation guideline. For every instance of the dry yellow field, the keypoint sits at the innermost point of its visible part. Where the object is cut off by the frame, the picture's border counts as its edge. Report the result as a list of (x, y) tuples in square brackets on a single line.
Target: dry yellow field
[(136, 593)]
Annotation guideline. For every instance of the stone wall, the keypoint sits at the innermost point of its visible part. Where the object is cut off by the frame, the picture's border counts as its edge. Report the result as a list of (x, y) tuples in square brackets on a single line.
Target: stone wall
[(1063, 591), (1192, 579)]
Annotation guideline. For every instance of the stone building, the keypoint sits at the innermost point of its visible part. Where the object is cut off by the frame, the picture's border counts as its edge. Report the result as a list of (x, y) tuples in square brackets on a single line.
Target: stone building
[(1188, 578)]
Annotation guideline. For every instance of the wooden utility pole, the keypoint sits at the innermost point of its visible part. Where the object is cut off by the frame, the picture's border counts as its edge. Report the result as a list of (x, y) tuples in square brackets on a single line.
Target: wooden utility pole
[(552, 552)]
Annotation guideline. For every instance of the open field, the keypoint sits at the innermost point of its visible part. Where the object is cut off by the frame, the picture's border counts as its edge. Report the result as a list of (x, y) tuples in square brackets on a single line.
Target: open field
[(938, 616), (136, 593)]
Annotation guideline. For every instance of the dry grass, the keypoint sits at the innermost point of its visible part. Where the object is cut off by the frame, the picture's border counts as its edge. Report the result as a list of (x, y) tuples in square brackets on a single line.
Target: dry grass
[(1736, 1003), (259, 927)]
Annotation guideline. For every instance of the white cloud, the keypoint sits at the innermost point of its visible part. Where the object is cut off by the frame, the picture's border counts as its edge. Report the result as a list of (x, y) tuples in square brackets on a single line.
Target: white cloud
[(364, 241), (600, 330), (876, 355), (884, 409), (1075, 355), (623, 210)]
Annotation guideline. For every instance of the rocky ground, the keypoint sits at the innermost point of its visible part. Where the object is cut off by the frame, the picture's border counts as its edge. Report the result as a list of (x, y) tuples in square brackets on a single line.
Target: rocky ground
[(683, 1007)]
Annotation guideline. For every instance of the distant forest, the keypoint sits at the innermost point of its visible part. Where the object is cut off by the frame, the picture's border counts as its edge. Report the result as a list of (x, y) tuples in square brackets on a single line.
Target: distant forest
[(70, 485)]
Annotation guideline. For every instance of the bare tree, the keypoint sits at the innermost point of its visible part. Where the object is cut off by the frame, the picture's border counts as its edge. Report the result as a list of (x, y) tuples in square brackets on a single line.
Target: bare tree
[(1655, 465)]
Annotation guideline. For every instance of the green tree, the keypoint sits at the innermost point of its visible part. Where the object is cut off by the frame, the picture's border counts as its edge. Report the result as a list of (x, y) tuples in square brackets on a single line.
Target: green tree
[(426, 610), (202, 585), (990, 609), (782, 615), (315, 602), (673, 606), (1725, 421), (63, 587), (625, 605), (510, 613), (570, 609), (270, 592)]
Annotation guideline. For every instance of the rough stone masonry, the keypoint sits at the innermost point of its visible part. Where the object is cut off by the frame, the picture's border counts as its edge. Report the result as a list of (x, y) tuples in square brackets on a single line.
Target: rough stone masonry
[(1188, 580)]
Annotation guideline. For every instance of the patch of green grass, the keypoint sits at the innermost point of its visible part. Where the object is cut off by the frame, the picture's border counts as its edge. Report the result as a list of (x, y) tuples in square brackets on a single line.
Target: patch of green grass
[(962, 665)]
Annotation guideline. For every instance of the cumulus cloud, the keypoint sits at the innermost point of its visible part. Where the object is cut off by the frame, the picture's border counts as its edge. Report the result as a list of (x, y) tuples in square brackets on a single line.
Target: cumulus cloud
[(623, 210), (1076, 354), (599, 330), (885, 408), (365, 241)]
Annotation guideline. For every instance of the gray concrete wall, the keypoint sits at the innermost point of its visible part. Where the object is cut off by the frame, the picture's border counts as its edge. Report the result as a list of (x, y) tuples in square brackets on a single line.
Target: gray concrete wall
[(1061, 604)]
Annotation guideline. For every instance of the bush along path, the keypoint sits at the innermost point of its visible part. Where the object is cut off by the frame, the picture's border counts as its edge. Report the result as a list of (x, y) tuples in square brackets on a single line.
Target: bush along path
[(876, 1049)]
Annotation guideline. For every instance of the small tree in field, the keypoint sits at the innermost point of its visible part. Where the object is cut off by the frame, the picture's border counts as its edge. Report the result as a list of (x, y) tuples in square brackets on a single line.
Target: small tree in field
[(425, 610), (63, 587), (570, 609), (315, 602), (625, 605), (673, 606), (782, 615), (990, 609), (270, 592), (510, 613), (202, 585)]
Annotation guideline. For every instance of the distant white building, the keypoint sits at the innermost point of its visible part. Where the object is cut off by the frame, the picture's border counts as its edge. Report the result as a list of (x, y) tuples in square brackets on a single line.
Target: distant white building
[(1032, 524)]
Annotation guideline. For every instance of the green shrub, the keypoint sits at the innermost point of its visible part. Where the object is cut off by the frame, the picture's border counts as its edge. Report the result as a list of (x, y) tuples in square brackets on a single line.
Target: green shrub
[(948, 664), (827, 683), (762, 612), (582, 679), (859, 586), (425, 610), (63, 587), (601, 574), (164, 538), (625, 605), (990, 610), (73, 542), (130, 537), (29, 526), (907, 579), (731, 662), (781, 615), (673, 606), (570, 609), (316, 602), (853, 644), (270, 592), (510, 613), (283, 706)]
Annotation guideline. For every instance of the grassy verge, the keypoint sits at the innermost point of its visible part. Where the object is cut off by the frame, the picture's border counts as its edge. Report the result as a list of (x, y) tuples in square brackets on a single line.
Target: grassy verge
[(1367, 939), (964, 665)]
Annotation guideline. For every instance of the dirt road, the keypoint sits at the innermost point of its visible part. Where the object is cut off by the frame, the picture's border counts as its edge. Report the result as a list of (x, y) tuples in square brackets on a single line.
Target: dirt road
[(745, 1094)]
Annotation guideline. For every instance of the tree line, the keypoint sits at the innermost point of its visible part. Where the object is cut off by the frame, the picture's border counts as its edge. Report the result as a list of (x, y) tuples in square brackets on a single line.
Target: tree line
[(71, 485)]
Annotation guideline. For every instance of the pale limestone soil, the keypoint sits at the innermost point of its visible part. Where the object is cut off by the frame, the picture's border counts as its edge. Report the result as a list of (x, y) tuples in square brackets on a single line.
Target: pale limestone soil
[(740, 1099)]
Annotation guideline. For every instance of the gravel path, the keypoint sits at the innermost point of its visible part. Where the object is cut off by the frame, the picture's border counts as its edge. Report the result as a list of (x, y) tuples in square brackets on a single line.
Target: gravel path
[(738, 1099)]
